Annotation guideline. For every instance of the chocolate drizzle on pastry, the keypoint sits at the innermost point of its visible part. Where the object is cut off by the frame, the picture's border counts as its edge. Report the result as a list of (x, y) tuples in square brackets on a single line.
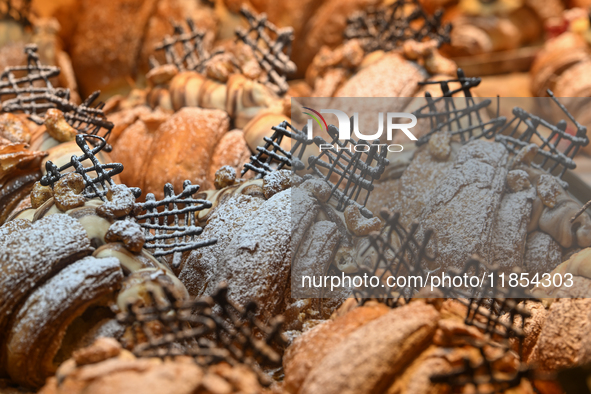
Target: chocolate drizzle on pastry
[(20, 92), (271, 47), (394, 251), (272, 157), (356, 171), (172, 230), (193, 56), (210, 330), (450, 118), (387, 27)]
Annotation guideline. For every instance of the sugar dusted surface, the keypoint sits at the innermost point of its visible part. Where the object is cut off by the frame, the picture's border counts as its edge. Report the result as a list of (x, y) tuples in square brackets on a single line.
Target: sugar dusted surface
[(461, 210), (510, 228), (201, 266), (35, 254), (542, 253), (48, 307), (257, 261)]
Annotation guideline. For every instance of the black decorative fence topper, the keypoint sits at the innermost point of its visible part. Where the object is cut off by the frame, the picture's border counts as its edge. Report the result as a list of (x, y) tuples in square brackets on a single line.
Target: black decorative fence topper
[(272, 157), (95, 187), (465, 117), (387, 27), (186, 49), (28, 89), (461, 116), (209, 329), (397, 251), (169, 224), (349, 174), (554, 160), (272, 48)]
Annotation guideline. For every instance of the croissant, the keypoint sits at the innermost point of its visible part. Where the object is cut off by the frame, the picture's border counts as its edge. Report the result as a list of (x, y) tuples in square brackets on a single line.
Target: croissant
[(37, 343), (369, 349), (58, 297), (106, 367), (27, 260)]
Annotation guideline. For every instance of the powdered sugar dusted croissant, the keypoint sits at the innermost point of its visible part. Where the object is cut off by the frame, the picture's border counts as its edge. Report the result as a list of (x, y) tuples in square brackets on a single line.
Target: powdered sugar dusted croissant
[(60, 298), (45, 330)]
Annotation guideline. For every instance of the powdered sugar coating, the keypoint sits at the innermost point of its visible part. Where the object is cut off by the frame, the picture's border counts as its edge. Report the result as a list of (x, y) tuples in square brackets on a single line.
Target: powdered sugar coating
[(462, 208), (411, 193), (12, 228), (314, 256), (34, 254), (256, 264), (39, 324), (542, 253), (510, 228), (199, 270)]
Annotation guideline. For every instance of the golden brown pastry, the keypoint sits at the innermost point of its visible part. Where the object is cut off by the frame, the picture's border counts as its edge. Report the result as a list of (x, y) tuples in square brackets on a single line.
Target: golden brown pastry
[(19, 166), (36, 345), (494, 225), (390, 76), (326, 28), (308, 350), (558, 55), (27, 260), (183, 149), (112, 41), (372, 349), (106, 367)]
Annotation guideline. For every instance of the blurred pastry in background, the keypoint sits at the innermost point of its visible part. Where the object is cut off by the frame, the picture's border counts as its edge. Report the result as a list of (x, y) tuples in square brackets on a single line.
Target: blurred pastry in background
[(498, 25)]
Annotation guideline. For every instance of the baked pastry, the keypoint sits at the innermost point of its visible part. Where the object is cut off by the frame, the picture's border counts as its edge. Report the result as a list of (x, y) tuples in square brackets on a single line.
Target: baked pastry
[(498, 230), (372, 349), (506, 193), (107, 49), (562, 342), (19, 167), (155, 147), (502, 25), (326, 28), (230, 88), (106, 367), (22, 26), (367, 67), (59, 297), (559, 55), (267, 225)]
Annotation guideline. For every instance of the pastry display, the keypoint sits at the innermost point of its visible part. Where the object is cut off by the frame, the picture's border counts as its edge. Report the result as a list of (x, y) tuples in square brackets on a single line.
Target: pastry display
[(170, 197), (563, 58), (374, 48), (484, 27)]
